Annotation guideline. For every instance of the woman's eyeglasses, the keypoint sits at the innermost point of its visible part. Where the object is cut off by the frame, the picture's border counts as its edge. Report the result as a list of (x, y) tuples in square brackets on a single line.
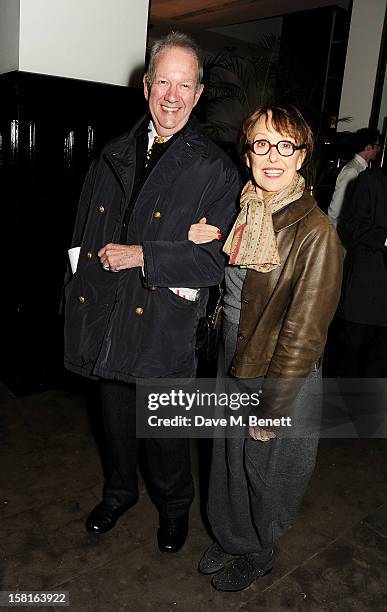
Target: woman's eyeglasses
[(284, 147)]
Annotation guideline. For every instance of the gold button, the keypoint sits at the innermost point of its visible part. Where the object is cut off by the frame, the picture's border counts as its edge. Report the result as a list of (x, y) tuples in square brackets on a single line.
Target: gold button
[(89, 255), (139, 311), (82, 299), (157, 214), (101, 209)]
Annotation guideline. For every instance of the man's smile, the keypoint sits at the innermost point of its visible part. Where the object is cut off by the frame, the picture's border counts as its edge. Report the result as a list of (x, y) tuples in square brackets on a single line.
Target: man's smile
[(169, 109)]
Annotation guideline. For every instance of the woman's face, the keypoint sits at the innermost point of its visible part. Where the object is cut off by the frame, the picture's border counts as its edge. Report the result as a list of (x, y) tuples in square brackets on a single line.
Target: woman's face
[(272, 172)]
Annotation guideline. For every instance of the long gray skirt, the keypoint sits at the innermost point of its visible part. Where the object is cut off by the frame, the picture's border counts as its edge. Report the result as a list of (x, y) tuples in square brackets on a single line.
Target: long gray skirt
[(256, 488)]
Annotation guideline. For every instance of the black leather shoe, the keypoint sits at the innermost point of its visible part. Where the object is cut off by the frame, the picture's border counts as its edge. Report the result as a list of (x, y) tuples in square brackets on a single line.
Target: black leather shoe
[(104, 517), (172, 533)]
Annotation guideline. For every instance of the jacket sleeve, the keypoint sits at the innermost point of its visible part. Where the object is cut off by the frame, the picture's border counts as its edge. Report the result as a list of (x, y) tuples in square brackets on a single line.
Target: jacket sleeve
[(312, 305), (186, 264), (80, 223), (83, 207), (362, 228)]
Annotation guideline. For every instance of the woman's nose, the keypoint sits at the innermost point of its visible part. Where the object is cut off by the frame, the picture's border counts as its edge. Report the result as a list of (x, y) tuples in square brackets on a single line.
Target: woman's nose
[(273, 153)]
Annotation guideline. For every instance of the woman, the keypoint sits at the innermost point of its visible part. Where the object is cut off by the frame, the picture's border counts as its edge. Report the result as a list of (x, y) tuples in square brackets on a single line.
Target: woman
[(282, 289)]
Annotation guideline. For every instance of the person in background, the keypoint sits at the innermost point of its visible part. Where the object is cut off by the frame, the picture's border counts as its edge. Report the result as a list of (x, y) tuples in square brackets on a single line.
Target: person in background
[(282, 288), (366, 147), (363, 306), (133, 305)]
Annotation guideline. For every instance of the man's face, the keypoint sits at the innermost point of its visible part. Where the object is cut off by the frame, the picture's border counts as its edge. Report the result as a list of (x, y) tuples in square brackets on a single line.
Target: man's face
[(373, 151), (370, 152), (173, 93)]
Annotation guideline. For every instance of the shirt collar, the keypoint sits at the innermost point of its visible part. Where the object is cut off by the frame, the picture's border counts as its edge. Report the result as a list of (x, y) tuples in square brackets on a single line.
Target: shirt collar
[(152, 133), (361, 161)]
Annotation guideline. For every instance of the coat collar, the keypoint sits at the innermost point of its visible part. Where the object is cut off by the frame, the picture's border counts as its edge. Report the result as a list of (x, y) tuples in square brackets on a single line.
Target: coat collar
[(293, 212), (189, 144), (191, 134)]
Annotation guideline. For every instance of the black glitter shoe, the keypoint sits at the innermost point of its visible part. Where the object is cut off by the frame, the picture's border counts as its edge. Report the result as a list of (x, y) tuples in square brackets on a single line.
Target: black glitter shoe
[(214, 559), (241, 572)]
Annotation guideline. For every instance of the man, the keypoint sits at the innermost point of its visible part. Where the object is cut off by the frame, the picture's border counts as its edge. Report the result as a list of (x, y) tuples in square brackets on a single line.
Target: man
[(364, 298), (125, 319), (366, 146)]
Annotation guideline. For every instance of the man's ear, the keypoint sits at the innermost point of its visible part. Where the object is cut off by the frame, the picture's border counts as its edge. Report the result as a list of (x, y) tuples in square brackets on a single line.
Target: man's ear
[(146, 88), (198, 93)]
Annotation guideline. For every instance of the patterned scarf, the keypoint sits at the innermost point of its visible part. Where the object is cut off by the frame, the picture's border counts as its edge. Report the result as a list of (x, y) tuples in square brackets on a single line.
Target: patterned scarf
[(252, 243)]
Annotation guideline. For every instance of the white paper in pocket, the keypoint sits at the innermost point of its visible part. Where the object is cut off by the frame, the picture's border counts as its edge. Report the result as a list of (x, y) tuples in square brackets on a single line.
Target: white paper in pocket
[(73, 257), (185, 293)]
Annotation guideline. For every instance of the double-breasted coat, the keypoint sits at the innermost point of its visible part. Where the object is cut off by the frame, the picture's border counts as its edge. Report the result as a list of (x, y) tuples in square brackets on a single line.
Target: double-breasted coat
[(129, 324)]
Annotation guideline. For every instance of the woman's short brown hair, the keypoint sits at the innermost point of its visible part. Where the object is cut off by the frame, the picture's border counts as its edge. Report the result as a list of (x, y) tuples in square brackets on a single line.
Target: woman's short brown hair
[(286, 120)]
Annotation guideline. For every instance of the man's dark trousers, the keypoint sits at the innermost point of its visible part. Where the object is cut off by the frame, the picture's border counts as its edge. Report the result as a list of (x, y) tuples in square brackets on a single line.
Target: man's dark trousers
[(168, 460)]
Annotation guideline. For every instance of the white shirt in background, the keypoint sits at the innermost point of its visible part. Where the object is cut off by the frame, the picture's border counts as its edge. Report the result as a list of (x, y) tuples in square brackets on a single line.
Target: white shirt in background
[(348, 174)]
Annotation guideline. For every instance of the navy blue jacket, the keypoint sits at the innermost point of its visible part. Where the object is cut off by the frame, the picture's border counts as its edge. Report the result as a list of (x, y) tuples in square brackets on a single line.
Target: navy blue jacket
[(126, 325)]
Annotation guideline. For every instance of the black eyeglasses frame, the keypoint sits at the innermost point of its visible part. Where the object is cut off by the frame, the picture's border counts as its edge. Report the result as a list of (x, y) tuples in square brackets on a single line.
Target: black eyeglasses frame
[(250, 146)]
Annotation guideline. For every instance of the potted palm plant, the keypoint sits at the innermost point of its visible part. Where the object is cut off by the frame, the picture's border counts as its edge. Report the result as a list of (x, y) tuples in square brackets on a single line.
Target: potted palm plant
[(235, 85)]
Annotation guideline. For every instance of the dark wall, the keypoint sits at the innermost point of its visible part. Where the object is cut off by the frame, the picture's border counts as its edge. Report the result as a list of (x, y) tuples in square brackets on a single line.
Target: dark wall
[(50, 129), (312, 55)]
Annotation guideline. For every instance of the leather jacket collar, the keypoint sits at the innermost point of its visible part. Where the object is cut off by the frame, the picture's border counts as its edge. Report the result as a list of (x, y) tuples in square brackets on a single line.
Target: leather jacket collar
[(293, 212)]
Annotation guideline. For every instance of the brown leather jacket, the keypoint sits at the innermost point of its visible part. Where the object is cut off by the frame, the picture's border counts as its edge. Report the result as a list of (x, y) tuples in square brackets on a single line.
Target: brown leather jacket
[(286, 313)]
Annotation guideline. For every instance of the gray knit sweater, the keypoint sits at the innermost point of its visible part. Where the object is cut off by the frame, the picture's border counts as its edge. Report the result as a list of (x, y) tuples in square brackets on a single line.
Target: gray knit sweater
[(234, 278)]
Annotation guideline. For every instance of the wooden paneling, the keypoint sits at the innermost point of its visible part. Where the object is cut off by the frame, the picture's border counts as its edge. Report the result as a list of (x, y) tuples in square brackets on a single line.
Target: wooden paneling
[(50, 130)]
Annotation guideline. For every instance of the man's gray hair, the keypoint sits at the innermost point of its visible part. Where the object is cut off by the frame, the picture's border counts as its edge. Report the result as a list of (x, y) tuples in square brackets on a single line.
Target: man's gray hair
[(174, 39)]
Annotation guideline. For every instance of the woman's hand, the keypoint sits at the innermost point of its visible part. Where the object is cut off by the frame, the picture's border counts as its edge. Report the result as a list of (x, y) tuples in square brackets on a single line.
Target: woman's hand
[(201, 232), (258, 433)]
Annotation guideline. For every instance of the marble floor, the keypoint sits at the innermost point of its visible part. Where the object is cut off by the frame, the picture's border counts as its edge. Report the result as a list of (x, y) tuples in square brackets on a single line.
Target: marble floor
[(333, 559)]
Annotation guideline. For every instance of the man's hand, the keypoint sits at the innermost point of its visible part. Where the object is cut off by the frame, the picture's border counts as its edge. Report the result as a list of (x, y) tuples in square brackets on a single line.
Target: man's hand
[(116, 257), (258, 433)]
